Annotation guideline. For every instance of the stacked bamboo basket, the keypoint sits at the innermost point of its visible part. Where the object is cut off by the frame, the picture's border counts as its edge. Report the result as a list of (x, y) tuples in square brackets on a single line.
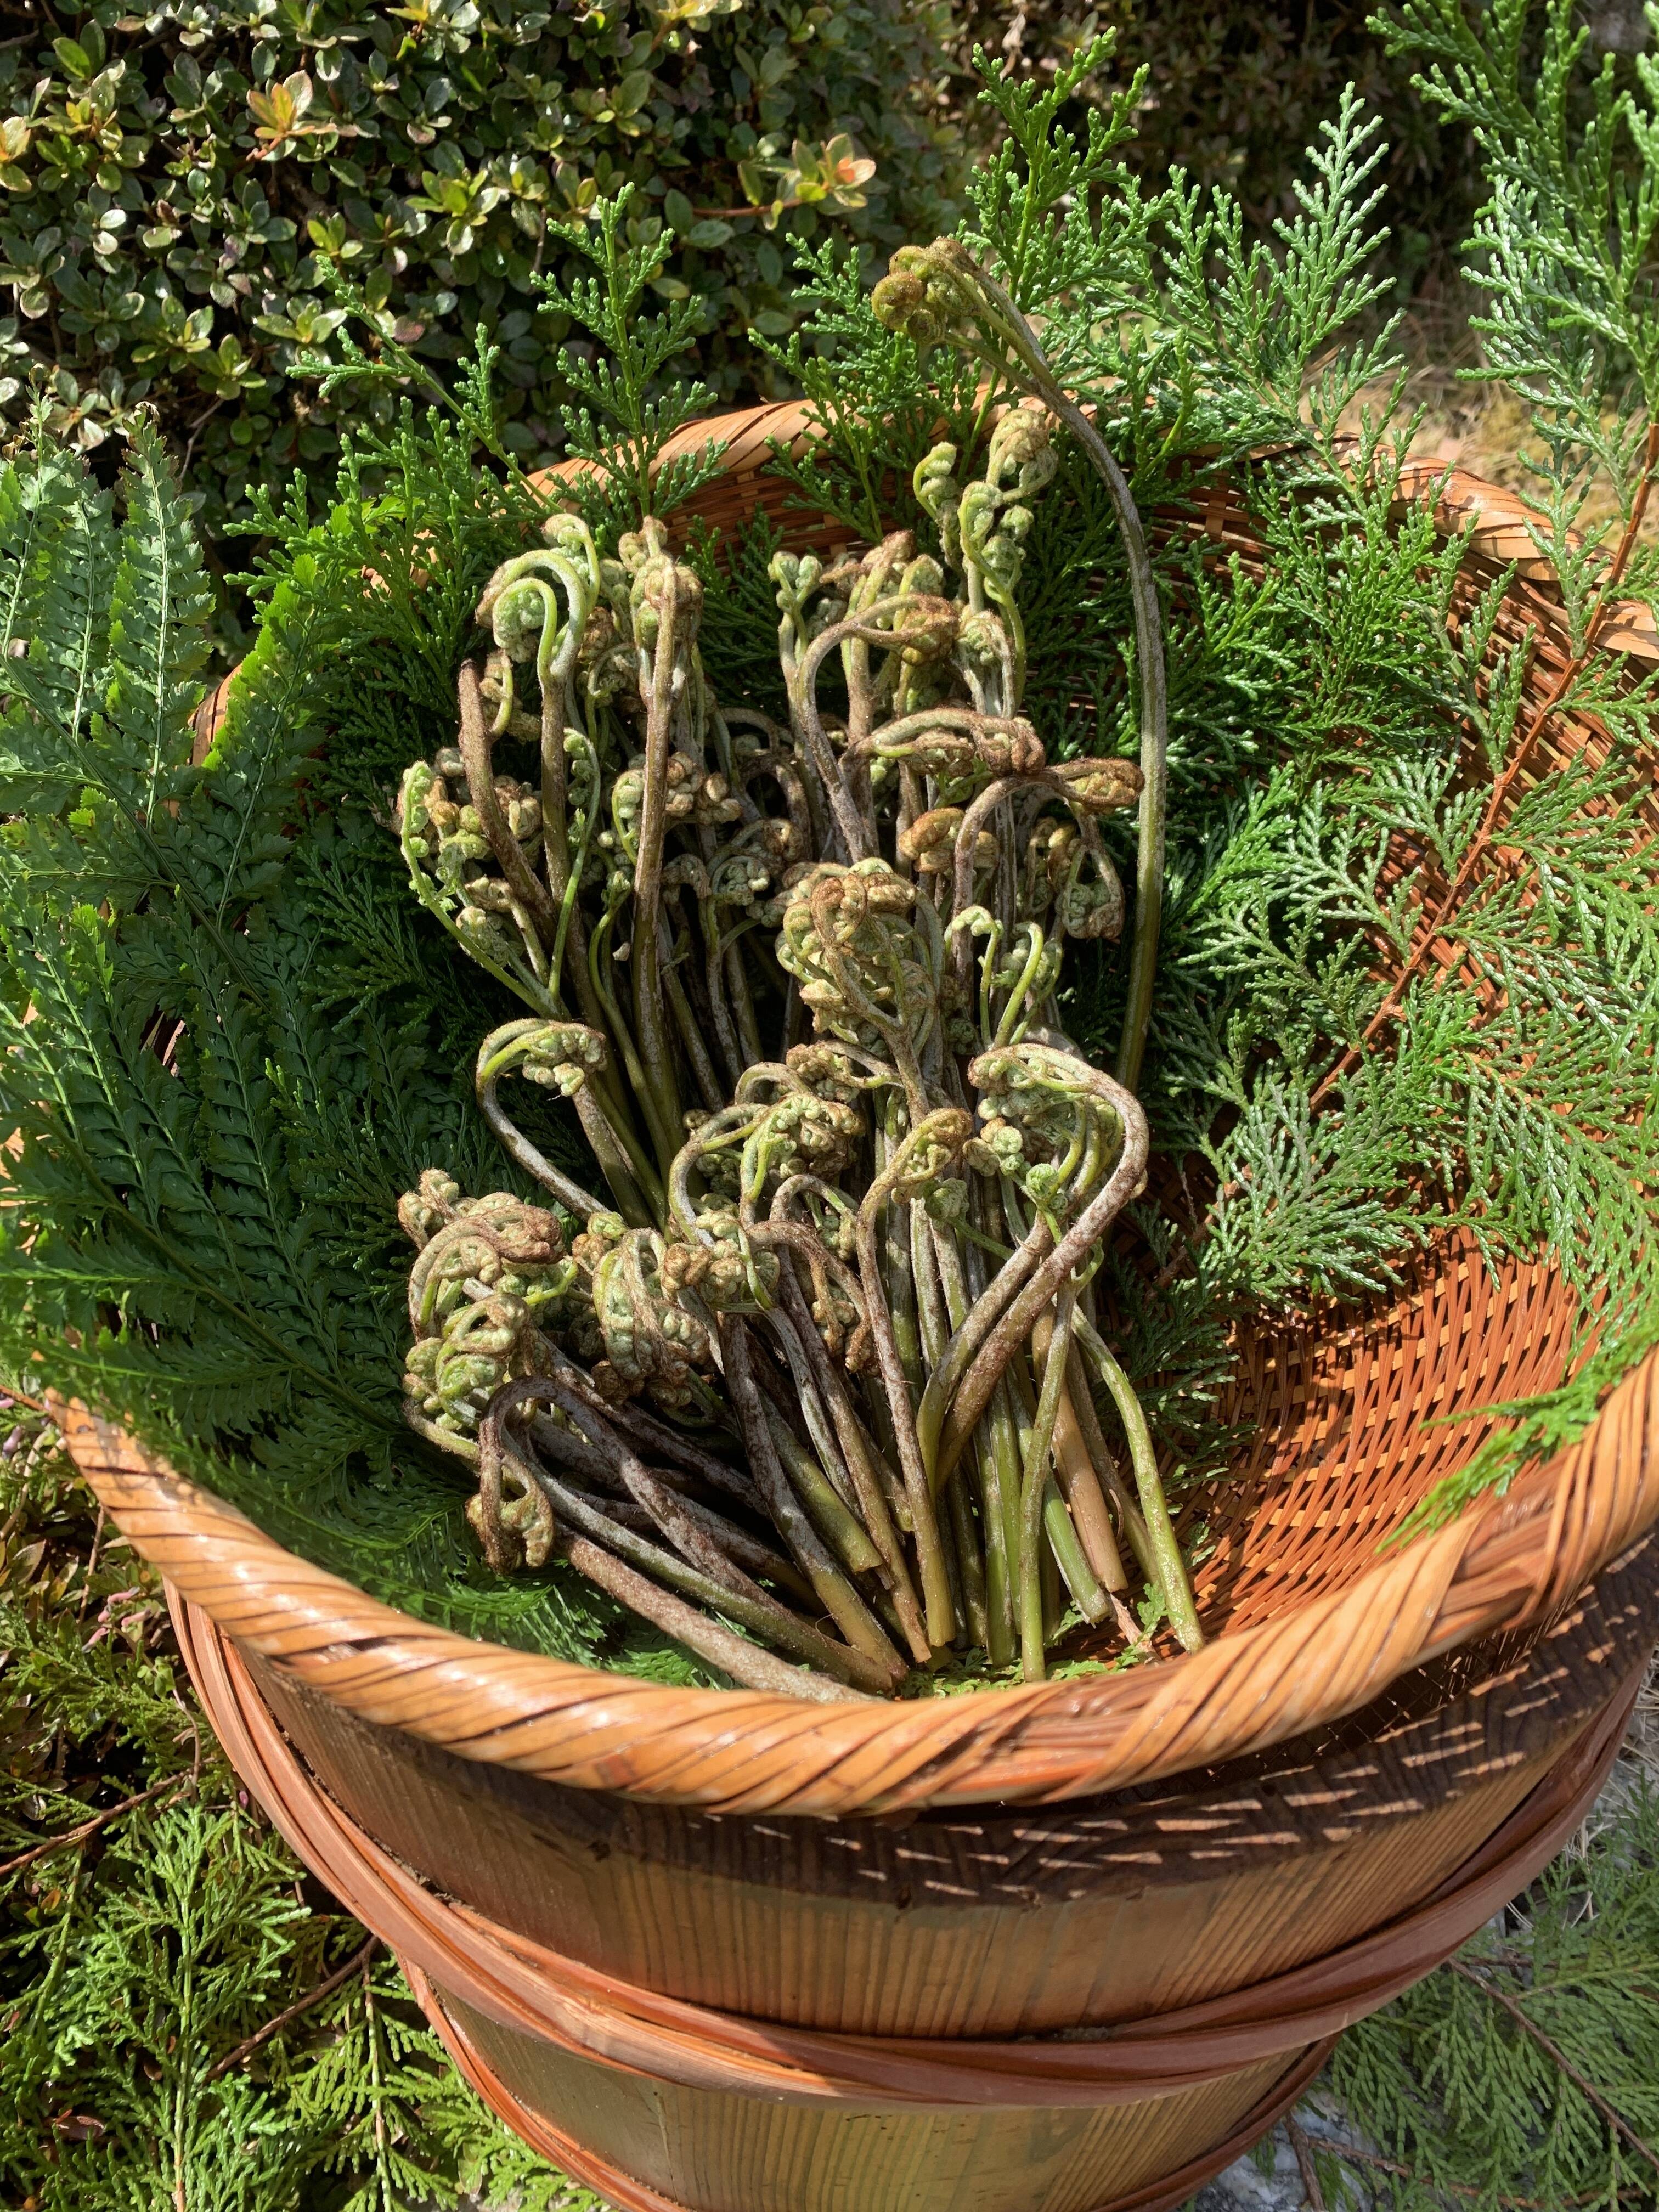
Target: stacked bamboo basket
[(1065, 1948)]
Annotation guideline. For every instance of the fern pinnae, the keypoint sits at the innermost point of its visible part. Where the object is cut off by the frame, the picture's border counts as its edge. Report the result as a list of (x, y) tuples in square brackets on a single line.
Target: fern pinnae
[(158, 608)]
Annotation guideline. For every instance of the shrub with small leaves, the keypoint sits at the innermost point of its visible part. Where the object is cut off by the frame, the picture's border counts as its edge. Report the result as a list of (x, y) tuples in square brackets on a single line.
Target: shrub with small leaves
[(182, 190)]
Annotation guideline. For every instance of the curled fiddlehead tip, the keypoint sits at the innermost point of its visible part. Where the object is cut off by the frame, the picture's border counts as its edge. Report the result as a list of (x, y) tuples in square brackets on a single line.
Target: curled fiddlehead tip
[(923, 296), (1097, 785), (819, 1222), (426, 1208), (930, 842), (1022, 444), (930, 1151), (562, 1056)]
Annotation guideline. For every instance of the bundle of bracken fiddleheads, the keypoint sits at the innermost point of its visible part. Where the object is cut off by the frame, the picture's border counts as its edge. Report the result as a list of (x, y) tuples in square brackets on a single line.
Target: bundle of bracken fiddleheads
[(812, 1384)]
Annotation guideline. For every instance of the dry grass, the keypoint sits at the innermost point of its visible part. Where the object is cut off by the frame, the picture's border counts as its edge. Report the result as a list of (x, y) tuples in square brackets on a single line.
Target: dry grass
[(1469, 424), (1642, 1744)]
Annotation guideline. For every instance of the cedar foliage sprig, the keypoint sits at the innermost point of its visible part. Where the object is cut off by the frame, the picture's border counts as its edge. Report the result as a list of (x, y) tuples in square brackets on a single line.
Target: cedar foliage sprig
[(627, 408), (1525, 2072), (180, 2023), (223, 1041), (1443, 2097), (1564, 251)]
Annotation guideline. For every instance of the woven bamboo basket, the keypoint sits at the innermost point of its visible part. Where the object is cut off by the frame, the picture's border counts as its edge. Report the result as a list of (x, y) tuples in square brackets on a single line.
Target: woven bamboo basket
[(727, 1952)]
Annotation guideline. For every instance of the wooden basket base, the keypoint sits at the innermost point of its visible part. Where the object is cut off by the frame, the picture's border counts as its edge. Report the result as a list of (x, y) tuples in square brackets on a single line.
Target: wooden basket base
[(671, 2107), (550, 2141)]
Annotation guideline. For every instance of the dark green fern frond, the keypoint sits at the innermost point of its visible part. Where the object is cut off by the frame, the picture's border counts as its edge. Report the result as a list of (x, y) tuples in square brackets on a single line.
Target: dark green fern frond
[(229, 1044)]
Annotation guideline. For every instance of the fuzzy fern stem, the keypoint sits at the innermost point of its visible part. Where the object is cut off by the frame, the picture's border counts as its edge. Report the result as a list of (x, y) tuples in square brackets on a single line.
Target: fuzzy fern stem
[(941, 291)]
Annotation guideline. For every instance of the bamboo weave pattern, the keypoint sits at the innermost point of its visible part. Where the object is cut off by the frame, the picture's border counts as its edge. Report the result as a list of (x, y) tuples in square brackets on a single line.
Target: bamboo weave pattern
[(623, 2190)]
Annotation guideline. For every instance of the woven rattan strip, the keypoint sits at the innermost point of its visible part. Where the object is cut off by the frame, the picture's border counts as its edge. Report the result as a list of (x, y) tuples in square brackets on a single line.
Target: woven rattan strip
[(1510, 1562), (632, 2195)]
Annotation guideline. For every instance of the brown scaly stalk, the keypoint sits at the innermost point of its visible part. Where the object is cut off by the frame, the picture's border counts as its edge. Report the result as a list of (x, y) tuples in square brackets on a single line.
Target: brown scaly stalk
[(1014, 1324), (1033, 1479), (661, 684), (838, 1597), (1075, 1460), (476, 759), (702, 1569), (940, 293), (728, 1653), (917, 1157)]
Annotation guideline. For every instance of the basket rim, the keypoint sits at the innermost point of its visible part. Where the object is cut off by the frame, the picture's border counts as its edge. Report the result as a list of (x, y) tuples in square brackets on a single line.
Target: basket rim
[(1505, 1563), (1500, 525)]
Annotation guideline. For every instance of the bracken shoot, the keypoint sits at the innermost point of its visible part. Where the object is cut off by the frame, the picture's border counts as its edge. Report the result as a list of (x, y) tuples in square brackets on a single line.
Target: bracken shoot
[(840, 933)]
